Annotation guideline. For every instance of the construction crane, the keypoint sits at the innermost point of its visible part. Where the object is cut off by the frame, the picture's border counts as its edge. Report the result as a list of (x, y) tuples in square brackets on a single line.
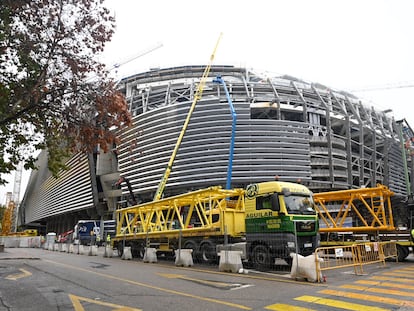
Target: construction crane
[(197, 96), (370, 207), (220, 80), (6, 223), (140, 54)]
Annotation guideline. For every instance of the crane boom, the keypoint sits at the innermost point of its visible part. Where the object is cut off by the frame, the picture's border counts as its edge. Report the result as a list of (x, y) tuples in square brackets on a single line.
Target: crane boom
[(197, 96)]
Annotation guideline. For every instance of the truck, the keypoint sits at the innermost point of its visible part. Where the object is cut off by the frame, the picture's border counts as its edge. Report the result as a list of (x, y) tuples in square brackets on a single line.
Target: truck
[(86, 232), (359, 215), (266, 221)]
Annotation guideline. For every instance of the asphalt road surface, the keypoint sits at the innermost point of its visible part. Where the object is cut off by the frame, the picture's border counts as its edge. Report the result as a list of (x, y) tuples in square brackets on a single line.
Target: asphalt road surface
[(37, 279)]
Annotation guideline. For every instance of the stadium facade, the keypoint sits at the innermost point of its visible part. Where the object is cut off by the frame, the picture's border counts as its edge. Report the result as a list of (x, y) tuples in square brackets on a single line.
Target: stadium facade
[(285, 127)]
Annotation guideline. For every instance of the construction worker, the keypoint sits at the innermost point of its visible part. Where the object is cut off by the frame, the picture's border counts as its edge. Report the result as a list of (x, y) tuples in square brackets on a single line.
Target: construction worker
[(412, 234), (108, 239)]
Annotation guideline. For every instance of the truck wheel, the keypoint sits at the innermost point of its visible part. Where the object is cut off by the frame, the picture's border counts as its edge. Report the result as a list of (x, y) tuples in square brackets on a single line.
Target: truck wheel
[(402, 252), (261, 257), (208, 252), (191, 244)]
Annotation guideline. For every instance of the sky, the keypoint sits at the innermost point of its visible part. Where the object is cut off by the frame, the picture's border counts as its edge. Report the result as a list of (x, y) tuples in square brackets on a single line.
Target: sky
[(350, 45)]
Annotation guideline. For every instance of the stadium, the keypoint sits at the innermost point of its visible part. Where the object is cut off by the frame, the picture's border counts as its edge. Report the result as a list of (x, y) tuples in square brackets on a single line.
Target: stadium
[(285, 128)]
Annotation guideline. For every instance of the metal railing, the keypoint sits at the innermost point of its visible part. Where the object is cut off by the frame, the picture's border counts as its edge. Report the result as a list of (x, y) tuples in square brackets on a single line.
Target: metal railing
[(356, 256)]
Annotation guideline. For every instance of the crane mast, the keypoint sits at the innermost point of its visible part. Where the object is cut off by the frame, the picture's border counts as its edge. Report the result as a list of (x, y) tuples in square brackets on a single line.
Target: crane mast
[(197, 96)]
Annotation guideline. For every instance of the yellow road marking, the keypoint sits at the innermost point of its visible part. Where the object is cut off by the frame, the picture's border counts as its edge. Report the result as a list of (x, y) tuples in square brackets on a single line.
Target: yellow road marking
[(285, 307), (401, 274), (212, 283), (16, 276), (338, 304), (385, 284), (234, 305), (377, 299), (378, 290), (76, 301), (387, 278)]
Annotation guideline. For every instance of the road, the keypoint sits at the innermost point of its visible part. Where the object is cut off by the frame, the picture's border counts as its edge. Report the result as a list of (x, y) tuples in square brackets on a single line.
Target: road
[(41, 280)]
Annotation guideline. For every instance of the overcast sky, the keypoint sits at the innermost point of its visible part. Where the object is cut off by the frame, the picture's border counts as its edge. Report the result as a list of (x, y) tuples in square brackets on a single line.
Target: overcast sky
[(346, 45)]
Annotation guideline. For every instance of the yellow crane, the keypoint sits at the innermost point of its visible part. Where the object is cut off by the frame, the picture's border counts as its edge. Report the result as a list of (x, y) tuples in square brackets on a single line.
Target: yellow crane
[(370, 207), (197, 96), (6, 223)]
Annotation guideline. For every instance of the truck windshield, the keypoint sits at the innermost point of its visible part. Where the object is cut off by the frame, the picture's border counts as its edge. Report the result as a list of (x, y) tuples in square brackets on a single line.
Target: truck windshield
[(299, 204)]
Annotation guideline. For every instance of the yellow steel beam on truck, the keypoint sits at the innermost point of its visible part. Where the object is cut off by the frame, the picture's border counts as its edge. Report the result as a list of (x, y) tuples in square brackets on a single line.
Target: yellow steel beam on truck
[(197, 96), (370, 206), (180, 212)]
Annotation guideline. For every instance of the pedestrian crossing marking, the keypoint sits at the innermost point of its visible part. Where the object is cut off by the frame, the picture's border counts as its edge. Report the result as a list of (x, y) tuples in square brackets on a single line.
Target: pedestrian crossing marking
[(285, 307), (385, 284), (378, 290), (339, 304), (400, 274), (393, 279), (377, 299)]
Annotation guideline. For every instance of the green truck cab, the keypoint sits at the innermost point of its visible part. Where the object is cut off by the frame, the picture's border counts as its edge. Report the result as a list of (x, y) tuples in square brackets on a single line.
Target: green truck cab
[(280, 220)]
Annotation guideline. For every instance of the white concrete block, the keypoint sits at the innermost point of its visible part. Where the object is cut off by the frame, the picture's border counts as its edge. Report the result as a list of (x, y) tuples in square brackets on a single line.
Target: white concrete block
[(230, 261), (305, 267), (127, 254), (150, 254), (184, 257), (108, 251), (83, 249), (93, 250)]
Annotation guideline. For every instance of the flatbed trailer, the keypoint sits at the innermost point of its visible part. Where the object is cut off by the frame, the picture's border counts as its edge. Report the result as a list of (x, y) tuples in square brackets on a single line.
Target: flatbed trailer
[(265, 221)]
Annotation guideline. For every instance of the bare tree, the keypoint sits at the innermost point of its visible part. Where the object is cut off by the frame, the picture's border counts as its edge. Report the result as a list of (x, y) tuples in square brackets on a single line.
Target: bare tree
[(54, 93)]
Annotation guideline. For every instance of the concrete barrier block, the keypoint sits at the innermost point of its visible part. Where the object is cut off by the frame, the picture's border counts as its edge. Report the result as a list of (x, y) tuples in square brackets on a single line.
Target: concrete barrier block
[(109, 251), (127, 254), (150, 254), (83, 249), (183, 257), (23, 242), (230, 261), (93, 250), (56, 247), (64, 248), (306, 267), (71, 248)]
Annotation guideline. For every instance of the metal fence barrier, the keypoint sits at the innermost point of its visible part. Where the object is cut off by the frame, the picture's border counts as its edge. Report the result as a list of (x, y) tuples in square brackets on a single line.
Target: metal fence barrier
[(356, 256)]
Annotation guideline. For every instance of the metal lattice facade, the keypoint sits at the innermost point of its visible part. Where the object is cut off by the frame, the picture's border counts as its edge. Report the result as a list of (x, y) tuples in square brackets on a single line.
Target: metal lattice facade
[(285, 127)]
